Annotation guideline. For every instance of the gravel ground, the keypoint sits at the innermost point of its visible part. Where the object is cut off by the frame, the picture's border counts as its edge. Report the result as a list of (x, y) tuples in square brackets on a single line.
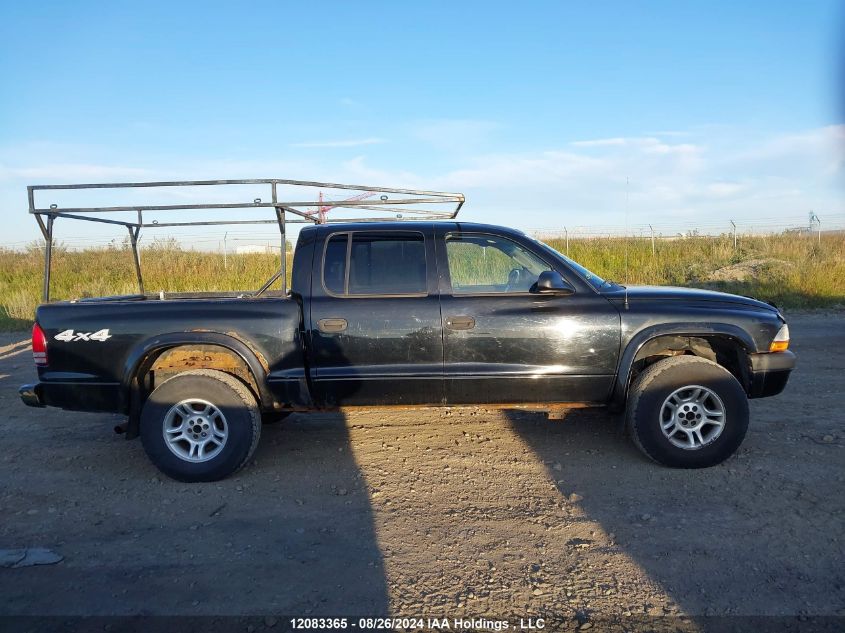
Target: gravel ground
[(436, 513)]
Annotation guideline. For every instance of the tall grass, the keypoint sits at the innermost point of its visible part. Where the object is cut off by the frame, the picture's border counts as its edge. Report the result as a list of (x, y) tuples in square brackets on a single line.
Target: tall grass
[(799, 272), (796, 271), (110, 271)]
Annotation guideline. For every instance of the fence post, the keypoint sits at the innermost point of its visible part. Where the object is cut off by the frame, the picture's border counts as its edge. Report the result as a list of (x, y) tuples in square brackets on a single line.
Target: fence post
[(566, 235), (652, 240), (815, 218), (733, 224)]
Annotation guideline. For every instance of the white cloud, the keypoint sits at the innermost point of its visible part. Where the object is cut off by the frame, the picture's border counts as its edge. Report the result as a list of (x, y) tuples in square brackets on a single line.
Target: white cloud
[(647, 144), (71, 172), (719, 177), (705, 179), (463, 135), (340, 143), (725, 189), (355, 171), (522, 170), (822, 149), (602, 142), (670, 133)]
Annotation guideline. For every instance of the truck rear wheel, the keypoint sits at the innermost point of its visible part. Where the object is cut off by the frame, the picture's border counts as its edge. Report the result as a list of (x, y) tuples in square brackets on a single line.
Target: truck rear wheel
[(200, 425), (687, 412)]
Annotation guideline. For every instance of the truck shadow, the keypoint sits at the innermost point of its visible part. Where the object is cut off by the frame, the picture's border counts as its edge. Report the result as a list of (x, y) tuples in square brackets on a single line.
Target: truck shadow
[(317, 546), (291, 534), (692, 532), (322, 555), (294, 531)]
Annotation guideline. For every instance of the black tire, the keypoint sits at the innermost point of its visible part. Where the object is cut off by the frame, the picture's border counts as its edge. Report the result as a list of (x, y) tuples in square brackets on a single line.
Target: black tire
[(646, 413), (239, 423)]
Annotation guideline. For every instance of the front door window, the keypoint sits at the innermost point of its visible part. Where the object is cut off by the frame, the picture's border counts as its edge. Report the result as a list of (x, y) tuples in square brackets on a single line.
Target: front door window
[(485, 264)]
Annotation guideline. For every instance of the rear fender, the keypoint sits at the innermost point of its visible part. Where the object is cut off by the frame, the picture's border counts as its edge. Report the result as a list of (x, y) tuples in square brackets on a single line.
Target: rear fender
[(142, 358)]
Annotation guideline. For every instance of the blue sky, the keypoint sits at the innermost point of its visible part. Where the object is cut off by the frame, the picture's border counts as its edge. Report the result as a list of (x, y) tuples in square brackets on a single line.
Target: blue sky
[(538, 111)]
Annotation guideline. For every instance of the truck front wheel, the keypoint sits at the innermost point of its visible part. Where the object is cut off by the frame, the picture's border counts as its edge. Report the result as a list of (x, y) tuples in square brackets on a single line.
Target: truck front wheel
[(200, 425), (687, 412)]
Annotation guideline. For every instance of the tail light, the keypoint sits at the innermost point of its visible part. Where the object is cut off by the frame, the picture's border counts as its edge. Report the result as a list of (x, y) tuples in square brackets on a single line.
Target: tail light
[(39, 346)]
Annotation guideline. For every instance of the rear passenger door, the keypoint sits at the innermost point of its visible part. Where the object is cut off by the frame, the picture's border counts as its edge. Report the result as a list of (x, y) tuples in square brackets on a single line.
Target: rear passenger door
[(375, 320)]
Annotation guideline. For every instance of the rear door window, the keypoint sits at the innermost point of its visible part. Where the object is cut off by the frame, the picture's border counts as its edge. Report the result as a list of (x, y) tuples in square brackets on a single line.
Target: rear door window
[(375, 264), (334, 264)]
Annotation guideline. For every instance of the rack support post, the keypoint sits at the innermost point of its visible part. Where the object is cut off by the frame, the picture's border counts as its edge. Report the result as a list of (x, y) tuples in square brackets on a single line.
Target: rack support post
[(47, 232), (134, 232), (283, 266)]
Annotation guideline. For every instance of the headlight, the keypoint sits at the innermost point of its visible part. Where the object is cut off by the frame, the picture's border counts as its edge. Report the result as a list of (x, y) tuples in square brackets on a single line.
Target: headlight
[(781, 341)]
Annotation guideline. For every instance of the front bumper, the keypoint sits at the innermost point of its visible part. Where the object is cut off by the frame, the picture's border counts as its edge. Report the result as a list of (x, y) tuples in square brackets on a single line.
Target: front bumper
[(770, 372)]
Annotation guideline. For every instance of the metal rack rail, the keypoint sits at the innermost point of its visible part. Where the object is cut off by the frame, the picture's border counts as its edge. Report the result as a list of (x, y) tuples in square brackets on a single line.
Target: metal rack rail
[(392, 204)]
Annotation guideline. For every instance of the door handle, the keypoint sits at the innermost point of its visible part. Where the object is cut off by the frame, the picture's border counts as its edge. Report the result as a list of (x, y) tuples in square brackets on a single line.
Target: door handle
[(460, 322), (331, 325)]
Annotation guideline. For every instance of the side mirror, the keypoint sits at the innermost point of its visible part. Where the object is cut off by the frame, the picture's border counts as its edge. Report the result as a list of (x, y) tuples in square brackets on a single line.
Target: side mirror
[(551, 283)]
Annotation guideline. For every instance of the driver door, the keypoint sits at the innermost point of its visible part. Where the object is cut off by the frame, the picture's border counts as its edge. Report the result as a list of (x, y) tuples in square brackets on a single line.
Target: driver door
[(504, 344)]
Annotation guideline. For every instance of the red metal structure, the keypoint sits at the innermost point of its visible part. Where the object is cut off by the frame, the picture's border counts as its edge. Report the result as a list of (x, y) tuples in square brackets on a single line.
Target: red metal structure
[(322, 212)]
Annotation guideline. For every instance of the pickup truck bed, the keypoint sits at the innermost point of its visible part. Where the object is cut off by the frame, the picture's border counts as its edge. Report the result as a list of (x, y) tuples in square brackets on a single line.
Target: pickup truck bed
[(264, 330)]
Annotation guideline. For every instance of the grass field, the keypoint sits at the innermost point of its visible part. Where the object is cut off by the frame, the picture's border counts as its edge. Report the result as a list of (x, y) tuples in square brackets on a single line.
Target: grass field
[(790, 270), (793, 271)]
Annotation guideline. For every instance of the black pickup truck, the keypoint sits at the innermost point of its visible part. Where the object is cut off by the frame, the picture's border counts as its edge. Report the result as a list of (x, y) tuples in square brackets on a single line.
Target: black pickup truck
[(413, 314)]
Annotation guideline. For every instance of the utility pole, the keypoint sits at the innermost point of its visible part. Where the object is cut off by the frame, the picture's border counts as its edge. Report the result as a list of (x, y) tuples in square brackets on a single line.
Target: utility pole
[(651, 228), (733, 224)]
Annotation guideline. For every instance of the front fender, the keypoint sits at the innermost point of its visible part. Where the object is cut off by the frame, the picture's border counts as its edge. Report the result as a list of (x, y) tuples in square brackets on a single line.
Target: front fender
[(640, 338)]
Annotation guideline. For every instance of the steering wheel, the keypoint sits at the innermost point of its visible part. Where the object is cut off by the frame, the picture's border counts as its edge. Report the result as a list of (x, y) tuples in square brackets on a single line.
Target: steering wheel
[(514, 277)]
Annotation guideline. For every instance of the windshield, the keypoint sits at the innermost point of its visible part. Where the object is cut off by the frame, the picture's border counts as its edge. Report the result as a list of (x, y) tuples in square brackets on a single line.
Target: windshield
[(592, 278)]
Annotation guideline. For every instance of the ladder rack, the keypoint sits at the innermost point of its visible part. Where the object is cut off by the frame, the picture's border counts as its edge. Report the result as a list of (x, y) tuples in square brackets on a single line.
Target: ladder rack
[(382, 203)]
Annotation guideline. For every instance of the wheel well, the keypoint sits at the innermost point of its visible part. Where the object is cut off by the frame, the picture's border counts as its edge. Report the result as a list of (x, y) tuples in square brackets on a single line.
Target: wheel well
[(175, 360), (720, 349)]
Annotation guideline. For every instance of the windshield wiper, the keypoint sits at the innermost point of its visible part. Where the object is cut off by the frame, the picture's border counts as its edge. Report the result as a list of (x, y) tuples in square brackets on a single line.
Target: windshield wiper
[(610, 282)]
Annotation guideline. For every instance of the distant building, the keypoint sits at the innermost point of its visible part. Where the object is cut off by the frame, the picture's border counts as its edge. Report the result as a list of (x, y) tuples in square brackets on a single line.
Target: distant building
[(248, 249)]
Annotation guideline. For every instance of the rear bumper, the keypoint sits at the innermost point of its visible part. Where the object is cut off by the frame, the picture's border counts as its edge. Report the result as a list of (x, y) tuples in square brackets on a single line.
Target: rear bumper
[(770, 373), (31, 395), (74, 396)]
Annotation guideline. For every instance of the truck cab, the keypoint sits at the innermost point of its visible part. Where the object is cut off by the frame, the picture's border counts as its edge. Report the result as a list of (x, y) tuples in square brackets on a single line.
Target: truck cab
[(449, 313)]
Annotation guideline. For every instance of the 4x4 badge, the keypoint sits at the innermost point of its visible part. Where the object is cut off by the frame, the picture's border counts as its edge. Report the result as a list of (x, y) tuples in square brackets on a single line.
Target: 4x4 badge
[(70, 335)]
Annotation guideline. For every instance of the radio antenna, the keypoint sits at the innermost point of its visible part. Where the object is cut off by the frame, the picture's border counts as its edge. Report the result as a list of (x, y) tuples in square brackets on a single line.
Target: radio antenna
[(627, 188)]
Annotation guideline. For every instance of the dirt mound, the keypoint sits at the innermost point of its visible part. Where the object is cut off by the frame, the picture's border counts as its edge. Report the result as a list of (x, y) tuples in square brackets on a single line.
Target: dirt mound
[(750, 270)]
